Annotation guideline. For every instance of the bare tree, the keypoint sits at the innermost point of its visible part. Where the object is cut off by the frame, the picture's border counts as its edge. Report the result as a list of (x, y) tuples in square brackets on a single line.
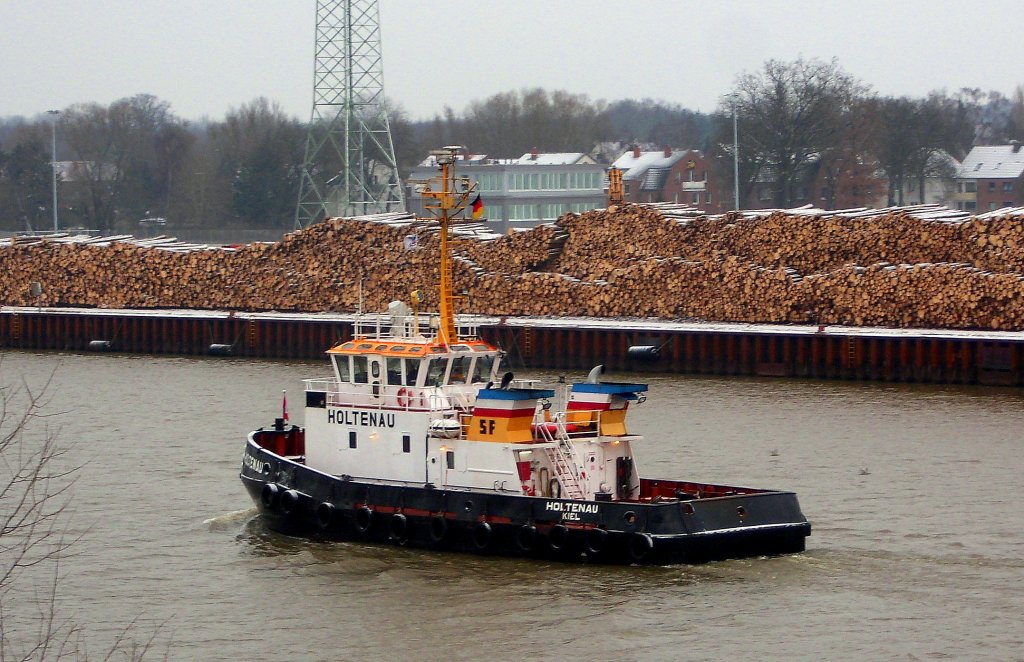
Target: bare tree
[(260, 154), (36, 478), (1015, 128), (512, 123), (25, 201), (845, 167), (34, 494), (127, 155), (789, 112)]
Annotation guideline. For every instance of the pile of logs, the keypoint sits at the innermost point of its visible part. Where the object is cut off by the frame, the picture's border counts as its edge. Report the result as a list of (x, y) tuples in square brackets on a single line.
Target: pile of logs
[(883, 269)]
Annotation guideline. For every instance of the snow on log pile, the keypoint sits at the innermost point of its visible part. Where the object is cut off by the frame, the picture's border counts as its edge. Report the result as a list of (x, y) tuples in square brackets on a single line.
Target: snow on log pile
[(902, 267)]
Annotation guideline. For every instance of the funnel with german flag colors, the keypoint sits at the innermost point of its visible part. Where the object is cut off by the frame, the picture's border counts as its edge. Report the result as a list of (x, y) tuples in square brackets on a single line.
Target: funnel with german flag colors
[(603, 403), (505, 415)]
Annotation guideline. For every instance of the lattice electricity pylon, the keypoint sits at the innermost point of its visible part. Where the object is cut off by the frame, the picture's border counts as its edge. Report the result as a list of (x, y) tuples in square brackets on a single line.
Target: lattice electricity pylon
[(350, 166)]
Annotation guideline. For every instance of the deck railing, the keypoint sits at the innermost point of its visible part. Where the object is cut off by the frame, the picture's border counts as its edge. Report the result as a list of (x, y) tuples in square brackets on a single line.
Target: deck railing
[(386, 325)]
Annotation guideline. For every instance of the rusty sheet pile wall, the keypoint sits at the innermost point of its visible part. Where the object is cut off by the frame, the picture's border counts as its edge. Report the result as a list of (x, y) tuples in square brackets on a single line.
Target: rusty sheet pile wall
[(883, 269)]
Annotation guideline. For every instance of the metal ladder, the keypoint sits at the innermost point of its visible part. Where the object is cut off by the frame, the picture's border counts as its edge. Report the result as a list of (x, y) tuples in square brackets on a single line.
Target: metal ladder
[(561, 460)]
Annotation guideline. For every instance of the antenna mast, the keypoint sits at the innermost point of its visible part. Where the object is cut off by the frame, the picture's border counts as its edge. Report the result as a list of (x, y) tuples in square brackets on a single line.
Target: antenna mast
[(446, 205), (350, 167)]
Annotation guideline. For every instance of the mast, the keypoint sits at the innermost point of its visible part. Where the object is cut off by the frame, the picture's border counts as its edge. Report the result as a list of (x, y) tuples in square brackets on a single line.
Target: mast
[(446, 205)]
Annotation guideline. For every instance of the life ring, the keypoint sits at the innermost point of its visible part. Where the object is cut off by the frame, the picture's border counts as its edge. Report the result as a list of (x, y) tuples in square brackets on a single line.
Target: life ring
[(640, 546), (423, 400), (402, 397), (481, 535), (289, 501), (399, 527), (268, 495), (526, 537), (324, 515), (438, 528), (364, 518), (558, 537), (596, 541)]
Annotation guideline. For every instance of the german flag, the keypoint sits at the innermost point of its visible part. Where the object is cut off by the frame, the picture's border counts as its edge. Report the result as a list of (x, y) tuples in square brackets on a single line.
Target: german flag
[(478, 207)]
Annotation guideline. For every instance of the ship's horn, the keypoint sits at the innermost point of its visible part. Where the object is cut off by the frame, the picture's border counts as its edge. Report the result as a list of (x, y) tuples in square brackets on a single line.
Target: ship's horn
[(506, 379), (595, 374)]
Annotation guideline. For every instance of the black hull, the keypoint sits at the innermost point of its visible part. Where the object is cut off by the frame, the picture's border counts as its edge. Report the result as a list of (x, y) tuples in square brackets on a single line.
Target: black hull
[(296, 500)]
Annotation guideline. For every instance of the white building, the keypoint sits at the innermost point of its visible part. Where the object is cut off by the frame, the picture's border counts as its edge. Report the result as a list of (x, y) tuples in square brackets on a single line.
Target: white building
[(535, 188)]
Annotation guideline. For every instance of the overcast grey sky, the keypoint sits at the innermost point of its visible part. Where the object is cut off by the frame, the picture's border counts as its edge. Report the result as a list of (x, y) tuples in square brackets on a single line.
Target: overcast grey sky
[(205, 56)]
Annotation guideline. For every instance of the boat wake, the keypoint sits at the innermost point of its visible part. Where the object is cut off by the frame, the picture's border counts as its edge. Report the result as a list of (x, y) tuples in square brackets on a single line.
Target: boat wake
[(228, 520)]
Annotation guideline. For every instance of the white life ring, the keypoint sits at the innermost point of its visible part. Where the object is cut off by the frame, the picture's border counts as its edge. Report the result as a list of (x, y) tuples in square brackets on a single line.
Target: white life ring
[(403, 396)]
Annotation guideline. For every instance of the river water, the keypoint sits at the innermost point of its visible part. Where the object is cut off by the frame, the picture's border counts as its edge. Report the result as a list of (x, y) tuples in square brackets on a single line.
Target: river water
[(914, 493)]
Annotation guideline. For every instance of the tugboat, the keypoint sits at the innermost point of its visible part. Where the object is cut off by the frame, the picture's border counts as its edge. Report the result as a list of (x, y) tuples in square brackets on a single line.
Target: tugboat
[(415, 440)]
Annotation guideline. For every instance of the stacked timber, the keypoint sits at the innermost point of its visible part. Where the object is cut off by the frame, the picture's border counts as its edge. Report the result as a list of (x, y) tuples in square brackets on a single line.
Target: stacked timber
[(901, 267)]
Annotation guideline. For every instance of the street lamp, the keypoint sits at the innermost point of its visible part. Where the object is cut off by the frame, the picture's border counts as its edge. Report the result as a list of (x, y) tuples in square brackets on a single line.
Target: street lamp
[(735, 160), (53, 126)]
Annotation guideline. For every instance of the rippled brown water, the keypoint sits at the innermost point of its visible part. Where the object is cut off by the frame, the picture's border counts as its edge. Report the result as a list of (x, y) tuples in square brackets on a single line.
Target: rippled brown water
[(921, 557)]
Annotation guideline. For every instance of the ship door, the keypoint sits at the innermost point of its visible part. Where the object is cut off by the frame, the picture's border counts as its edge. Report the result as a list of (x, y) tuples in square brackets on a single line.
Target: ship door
[(375, 373), (440, 460), (623, 477)]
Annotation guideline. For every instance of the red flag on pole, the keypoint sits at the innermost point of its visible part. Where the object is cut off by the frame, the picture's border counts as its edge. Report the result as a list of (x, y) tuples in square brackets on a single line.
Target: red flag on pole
[(284, 405)]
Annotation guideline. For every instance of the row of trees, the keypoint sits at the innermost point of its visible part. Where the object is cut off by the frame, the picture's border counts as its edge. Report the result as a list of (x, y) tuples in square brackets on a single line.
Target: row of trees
[(135, 159), (806, 120)]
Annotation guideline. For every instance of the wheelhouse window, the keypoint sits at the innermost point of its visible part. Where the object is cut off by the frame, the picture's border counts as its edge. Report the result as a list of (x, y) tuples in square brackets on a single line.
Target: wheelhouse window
[(482, 369), (460, 370), (359, 370), (344, 368), (436, 368), (412, 371), (394, 369)]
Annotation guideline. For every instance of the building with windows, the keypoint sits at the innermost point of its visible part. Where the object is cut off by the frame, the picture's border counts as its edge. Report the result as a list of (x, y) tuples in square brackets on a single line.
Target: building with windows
[(523, 192), (667, 175), (991, 177)]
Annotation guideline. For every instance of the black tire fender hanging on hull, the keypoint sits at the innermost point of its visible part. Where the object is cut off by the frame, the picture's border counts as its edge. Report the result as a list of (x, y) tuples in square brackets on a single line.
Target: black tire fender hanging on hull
[(438, 528), (364, 519), (558, 537), (399, 527), (325, 515), (597, 539), (289, 501), (640, 546), (481, 536), (269, 495), (526, 538)]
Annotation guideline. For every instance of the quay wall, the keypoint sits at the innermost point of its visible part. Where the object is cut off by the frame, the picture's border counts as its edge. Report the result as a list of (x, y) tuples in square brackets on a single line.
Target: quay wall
[(927, 356)]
